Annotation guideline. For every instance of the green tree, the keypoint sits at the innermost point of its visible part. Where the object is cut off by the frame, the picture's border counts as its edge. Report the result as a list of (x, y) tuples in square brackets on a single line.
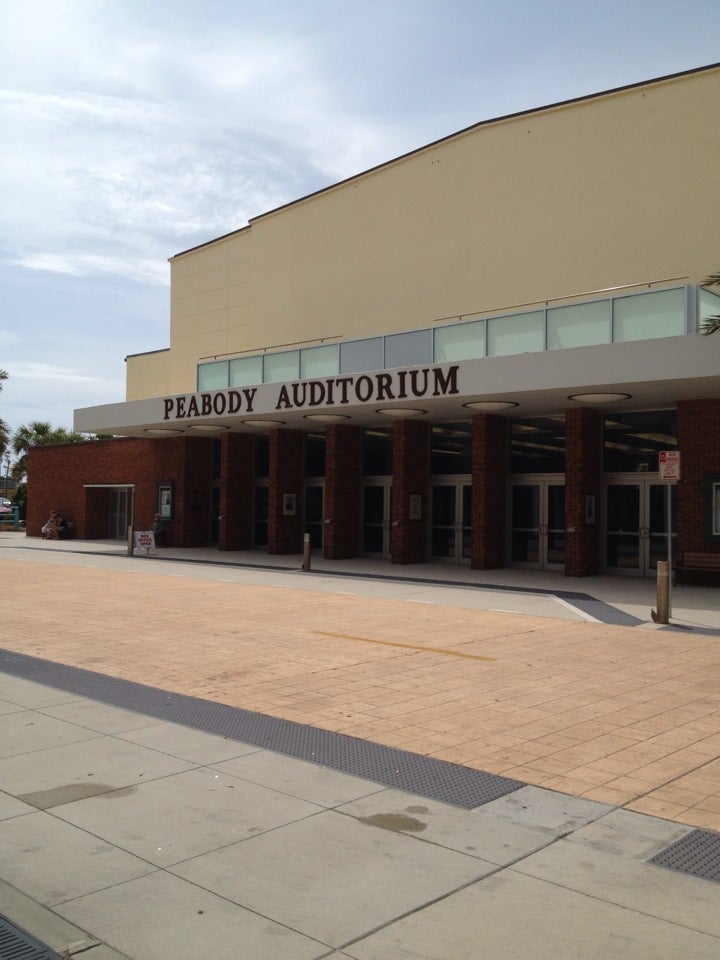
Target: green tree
[(711, 324)]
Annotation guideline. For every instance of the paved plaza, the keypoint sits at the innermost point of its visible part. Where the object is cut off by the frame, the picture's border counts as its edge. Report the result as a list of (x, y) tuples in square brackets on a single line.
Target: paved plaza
[(127, 835)]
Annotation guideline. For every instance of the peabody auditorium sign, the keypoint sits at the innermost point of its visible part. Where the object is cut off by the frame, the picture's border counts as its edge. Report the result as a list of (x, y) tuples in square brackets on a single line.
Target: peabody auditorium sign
[(329, 392)]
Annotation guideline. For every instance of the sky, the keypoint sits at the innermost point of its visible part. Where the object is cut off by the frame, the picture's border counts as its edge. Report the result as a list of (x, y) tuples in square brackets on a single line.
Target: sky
[(131, 130)]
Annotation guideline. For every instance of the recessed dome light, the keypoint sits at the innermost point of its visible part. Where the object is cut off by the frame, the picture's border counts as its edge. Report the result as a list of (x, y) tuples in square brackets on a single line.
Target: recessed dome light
[(327, 417), (400, 411), (599, 397), (490, 404)]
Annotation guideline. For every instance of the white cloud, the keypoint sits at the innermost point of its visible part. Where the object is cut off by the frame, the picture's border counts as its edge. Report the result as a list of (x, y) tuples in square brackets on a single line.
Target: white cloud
[(49, 371), (83, 265)]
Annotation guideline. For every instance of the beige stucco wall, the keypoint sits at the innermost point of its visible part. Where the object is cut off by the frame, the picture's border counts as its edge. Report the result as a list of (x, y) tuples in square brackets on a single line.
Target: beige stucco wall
[(147, 374), (619, 189)]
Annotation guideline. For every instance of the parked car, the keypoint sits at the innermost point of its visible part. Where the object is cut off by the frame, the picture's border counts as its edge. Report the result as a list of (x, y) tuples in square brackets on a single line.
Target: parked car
[(5, 505)]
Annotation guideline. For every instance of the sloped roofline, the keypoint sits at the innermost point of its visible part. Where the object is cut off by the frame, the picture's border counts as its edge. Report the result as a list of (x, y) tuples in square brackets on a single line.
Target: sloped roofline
[(445, 139)]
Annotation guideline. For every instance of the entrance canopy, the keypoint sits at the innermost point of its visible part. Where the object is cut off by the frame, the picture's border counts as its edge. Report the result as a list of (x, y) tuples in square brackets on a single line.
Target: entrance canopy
[(635, 375)]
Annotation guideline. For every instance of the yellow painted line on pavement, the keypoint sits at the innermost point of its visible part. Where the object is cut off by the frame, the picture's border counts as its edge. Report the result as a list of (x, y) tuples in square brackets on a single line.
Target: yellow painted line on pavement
[(406, 646)]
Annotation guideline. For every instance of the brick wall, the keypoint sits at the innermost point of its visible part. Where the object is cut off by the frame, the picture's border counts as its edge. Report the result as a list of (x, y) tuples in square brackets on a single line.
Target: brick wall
[(699, 444), (58, 474), (193, 495), (411, 475), (236, 491), (343, 479), (489, 495), (583, 474), (285, 533)]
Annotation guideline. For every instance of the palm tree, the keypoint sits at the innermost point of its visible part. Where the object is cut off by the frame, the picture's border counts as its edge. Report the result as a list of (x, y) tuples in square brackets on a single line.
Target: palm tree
[(711, 324), (4, 429)]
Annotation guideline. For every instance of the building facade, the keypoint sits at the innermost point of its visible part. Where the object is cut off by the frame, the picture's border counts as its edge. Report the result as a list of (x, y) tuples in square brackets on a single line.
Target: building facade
[(479, 352)]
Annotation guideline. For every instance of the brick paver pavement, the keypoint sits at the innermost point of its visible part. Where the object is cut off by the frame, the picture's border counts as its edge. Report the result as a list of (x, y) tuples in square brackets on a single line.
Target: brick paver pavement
[(625, 716)]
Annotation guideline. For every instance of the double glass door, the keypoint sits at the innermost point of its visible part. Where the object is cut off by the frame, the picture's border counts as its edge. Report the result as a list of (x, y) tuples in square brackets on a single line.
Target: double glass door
[(537, 522), (260, 515), (451, 523), (375, 535), (636, 525)]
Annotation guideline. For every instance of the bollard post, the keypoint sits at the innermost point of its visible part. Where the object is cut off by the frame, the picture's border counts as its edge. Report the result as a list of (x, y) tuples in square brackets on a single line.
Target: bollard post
[(306, 552), (130, 543), (663, 593)]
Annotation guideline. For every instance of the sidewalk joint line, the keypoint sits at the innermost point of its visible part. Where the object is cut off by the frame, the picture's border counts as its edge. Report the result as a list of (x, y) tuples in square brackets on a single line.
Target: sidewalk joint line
[(406, 646)]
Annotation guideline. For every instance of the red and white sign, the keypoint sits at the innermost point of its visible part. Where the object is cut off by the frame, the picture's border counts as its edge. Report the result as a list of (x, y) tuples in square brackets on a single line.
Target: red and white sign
[(669, 465), (144, 540)]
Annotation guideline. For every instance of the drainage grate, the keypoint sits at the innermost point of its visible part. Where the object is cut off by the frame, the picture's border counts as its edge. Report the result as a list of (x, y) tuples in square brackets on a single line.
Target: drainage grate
[(425, 776), (15, 944), (697, 854)]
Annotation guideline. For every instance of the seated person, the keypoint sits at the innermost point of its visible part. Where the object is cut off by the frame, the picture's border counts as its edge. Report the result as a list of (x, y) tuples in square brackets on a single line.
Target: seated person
[(49, 529), (63, 528)]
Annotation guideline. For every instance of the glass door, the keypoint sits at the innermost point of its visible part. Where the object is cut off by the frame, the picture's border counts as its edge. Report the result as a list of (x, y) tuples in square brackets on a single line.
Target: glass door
[(636, 525), (537, 523), (376, 518), (260, 516), (657, 523), (314, 513), (451, 523), (215, 513), (118, 526)]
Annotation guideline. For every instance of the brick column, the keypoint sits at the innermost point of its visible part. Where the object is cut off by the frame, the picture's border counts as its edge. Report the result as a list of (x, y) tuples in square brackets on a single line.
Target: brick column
[(343, 476), (698, 428), (192, 497), (489, 491), (286, 476), (583, 478), (411, 475), (236, 491)]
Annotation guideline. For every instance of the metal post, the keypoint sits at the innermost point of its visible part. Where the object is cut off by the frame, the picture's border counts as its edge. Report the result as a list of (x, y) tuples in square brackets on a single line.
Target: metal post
[(130, 543), (669, 548), (306, 552), (663, 593)]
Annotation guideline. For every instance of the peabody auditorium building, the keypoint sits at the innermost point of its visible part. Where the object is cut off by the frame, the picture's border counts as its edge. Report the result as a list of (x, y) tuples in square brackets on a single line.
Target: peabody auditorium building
[(473, 353)]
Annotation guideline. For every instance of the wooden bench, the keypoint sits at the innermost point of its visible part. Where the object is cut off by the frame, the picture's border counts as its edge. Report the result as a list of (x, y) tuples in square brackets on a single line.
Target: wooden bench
[(698, 563)]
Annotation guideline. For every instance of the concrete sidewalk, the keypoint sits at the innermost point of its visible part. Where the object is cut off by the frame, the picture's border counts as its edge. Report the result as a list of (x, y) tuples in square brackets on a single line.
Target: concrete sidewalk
[(132, 836)]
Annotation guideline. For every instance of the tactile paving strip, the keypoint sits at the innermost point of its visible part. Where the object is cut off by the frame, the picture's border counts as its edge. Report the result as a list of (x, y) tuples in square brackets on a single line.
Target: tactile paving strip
[(15, 944), (697, 854), (425, 776)]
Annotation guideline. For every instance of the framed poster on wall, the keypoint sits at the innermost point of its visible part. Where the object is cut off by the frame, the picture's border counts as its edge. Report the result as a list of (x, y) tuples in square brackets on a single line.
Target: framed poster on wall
[(165, 500)]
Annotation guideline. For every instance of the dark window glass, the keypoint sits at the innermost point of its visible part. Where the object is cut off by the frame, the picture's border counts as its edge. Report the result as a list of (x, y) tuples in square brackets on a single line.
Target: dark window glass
[(260, 518), (712, 508), (408, 349), (451, 448), (216, 459), (314, 455), (262, 457), (377, 453), (633, 440), (537, 446)]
